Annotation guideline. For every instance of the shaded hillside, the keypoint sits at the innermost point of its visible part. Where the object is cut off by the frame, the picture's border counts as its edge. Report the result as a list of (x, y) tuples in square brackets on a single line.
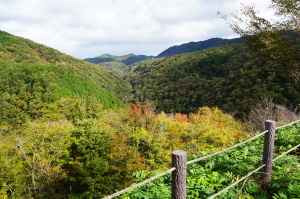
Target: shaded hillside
[(223, 76), (200, 45), (118, 68), (33, 76), (102, 58), (118, 65)]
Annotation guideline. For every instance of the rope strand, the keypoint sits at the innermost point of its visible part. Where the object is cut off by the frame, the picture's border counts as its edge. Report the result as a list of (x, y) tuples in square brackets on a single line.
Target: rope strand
[(139, 184), (249, 174), (235, 183), (287, 124), (234, 146)]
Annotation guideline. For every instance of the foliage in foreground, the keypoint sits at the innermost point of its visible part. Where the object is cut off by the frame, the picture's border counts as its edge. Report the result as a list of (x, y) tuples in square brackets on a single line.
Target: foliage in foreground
[(80, 150), (207, 177), (274, 39)]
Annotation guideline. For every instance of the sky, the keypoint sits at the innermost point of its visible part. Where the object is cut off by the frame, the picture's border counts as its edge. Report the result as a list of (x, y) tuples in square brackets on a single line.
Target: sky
[(90, 28)]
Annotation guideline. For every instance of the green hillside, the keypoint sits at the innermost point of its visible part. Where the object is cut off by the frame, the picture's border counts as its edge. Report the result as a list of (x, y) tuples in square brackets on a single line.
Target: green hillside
[(33, 75), (118, 68), (125, 59), (118, 65), (223, 76)]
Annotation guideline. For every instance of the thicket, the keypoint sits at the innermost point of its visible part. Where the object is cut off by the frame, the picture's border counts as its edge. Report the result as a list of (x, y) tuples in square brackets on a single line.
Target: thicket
[(81, 150)]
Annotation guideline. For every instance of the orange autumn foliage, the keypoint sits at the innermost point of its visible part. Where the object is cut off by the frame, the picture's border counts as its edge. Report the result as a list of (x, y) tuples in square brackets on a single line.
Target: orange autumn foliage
[(182, 118)]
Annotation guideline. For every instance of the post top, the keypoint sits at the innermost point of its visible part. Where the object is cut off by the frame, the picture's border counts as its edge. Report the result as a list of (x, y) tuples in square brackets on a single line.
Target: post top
[(270, 121), (179, 152)]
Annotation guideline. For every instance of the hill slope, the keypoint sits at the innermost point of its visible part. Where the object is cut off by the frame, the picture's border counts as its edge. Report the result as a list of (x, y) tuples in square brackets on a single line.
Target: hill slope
[(223, 76), (200, 45), (33, 74), (118, 65)]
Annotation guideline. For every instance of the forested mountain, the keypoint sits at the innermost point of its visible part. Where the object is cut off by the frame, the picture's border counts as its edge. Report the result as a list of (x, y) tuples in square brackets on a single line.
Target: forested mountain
[(119, 65), (126, 59), (200, 45), (65, 134), (223, 76), (33, 76)]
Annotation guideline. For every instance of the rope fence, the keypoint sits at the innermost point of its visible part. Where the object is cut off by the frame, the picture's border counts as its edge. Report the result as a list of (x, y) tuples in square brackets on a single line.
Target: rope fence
[(290, 124), (249, 174), (205, 157), (227, 149), (235, 183), (139, 184)]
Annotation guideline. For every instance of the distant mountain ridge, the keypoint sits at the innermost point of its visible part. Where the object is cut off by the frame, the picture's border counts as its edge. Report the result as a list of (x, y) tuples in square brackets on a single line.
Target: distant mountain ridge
[(200, 45), (118, 65), (125, 59), (121, 65)]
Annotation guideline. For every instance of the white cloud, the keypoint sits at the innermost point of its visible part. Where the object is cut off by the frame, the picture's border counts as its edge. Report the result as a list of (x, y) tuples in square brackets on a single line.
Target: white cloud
[(88, 28)]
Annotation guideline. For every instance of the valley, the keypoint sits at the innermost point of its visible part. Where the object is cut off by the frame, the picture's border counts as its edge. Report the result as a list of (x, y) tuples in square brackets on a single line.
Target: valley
[(74, 128)]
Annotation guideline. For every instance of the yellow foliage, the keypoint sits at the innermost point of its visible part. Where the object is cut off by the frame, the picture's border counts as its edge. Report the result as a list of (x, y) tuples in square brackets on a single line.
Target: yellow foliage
[(123, 158), (216, 128), (137, 139), (156, 136), (40, 145), (3, 195)]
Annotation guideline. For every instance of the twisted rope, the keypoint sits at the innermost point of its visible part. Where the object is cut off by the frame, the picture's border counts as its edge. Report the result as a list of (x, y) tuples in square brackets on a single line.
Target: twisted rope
[(286, 153), (232, 185), (287, 124), (139, 184), (249, 174), (234, 146)]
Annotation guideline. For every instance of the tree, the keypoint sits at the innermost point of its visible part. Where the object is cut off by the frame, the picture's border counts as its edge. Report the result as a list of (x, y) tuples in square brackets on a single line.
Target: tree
[(99, 160), (274, 40)]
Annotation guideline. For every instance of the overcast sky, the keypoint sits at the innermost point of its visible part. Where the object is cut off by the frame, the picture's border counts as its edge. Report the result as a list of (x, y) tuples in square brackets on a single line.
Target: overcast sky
[(89, 28)]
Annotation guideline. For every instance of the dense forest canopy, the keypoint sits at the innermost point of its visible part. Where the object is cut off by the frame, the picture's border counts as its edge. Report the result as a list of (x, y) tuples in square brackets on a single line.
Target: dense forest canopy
[(18, 50), (224, 77), (34, 76)]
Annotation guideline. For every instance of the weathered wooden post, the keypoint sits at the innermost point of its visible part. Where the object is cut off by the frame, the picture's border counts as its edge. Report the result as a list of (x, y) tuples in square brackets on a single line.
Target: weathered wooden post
[(269, 137), (179, 174)]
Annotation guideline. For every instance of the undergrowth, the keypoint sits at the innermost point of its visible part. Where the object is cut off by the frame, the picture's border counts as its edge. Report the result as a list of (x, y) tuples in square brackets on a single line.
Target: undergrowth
[(207, 177)]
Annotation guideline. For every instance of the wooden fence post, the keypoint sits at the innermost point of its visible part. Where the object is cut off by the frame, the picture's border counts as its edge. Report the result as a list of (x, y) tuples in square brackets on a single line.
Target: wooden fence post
[(179, 174), (269, 137)]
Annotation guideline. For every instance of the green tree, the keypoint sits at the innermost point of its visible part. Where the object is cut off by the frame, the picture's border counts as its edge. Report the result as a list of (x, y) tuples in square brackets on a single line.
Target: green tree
[(31, 159), (99, 161), (274, 40)]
